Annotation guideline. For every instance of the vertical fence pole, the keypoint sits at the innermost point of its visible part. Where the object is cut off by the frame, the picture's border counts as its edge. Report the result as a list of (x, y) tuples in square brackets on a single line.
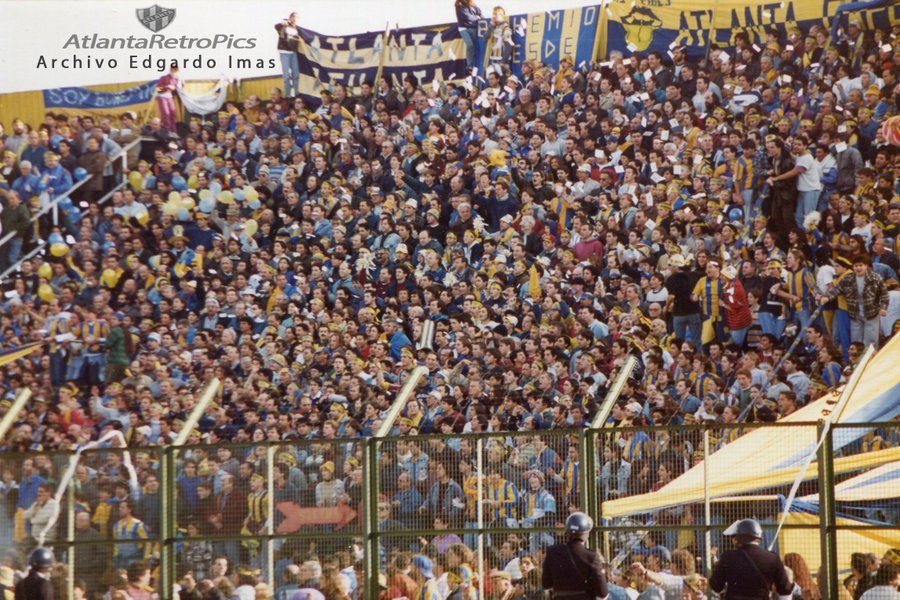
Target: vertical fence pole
[(828, 520), (370, 517), (594, 506), (166, 576), (270, 521), (70, 538), (588, 482), (371, 486), (707, 507), (479, 505)]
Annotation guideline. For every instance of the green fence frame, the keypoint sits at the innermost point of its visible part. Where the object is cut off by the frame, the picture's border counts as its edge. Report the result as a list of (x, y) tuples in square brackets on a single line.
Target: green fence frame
[(587, 440)]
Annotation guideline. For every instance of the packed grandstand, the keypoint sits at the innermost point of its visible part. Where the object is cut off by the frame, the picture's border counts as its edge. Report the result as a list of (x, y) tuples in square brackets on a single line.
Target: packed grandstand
[(731, 221)]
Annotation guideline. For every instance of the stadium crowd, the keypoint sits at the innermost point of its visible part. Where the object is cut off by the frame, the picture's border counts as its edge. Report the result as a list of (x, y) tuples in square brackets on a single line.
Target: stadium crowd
[(519, 236)]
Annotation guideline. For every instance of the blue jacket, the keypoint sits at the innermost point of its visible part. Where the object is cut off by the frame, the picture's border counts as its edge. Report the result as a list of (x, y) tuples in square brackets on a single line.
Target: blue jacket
[(398, 341), (28, 490), (467, 16)]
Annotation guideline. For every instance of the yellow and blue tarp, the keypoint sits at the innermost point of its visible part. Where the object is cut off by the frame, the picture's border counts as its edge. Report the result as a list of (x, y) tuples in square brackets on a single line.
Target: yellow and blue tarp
[(852, 536), (769, 457)]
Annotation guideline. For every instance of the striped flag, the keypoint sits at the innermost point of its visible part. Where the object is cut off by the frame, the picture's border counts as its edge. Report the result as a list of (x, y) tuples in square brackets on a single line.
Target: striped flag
[(534, 283), (426, 340), (13, 354)]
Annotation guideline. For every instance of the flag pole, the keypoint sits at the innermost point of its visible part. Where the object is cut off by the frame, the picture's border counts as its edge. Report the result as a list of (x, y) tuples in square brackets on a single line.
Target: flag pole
[(384, 49)]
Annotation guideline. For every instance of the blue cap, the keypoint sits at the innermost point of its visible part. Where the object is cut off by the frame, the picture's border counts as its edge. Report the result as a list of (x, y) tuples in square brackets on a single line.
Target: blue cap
[(424, 565), (119, 315)]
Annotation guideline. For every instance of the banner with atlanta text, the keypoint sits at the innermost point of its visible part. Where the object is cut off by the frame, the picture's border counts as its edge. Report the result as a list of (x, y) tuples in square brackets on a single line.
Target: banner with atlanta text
[(645, 25), (429, 53)]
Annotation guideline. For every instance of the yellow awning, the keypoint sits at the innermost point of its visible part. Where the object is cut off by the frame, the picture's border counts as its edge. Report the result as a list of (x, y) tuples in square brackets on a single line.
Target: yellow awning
[(881, 483), (806, 542), (768, 457)]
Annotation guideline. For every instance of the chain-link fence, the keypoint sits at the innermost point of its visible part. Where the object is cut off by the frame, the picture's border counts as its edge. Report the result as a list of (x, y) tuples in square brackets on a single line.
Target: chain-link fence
[(476, 504), (482, 507)]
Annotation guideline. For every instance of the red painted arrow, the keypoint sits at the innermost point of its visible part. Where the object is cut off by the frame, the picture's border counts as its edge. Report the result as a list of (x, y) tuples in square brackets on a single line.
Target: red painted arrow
[(296, 516)]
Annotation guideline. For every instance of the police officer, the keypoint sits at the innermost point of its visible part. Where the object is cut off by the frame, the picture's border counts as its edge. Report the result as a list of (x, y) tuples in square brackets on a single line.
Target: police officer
[(749, 572), (571, 570), (37, 586)]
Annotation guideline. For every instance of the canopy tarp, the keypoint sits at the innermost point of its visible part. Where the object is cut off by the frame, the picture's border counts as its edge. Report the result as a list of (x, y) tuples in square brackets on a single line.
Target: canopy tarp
[(807, 542), (772, 456), (881, 483)]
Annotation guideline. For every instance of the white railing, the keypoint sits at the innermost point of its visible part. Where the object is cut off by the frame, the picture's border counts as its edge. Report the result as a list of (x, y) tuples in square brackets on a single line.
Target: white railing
[(53, 205)]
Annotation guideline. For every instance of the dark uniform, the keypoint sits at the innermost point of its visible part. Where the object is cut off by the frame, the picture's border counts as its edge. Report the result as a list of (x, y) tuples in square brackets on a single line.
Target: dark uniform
[(571, 570), (34, 587), (736, 574)]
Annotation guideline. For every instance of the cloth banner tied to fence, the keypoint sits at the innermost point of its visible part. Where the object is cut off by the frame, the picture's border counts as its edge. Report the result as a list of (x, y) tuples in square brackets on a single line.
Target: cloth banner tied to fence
[(206, 103)]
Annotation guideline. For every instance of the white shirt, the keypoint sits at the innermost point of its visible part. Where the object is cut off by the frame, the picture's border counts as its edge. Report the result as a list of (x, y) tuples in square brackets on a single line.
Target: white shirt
[(809, 180), (893, 312), (659, 296), (824, 278), (881, 592), (827, 163)]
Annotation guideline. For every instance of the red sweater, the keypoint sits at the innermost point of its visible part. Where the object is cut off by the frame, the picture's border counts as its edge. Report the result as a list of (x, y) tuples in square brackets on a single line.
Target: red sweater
[(737, 310)]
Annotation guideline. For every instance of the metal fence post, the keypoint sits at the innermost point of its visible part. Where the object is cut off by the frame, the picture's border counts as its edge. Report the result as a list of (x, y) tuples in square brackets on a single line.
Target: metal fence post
[(70, 539), (588, 489), (166, 566), (828, 520), (370, 455), (370, 517), (270, 508), (479, 505), (707, 506)]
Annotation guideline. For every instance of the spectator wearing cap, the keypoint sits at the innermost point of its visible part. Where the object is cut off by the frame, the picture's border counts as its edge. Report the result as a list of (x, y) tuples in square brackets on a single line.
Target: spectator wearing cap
[(422, 572), (867, 300)]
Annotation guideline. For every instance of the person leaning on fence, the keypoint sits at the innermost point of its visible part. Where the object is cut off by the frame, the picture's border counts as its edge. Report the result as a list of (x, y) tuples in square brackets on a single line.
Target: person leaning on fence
[(571, 570), (749, 571)]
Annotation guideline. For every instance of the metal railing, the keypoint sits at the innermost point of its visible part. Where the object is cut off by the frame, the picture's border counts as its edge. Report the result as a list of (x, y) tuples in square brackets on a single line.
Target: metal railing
[(318, 498), (53, 206)]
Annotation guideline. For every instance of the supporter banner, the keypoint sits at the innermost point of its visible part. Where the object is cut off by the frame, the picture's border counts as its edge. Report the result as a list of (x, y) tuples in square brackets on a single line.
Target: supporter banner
[(548, 36), (207, 102), (76, 100), (13, 354), (645, 25), (429, 53)]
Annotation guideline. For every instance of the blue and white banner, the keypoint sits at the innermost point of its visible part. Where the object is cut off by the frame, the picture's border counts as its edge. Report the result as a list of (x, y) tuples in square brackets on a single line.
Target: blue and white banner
[(548, 36), (83, 100), (429, 53)]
